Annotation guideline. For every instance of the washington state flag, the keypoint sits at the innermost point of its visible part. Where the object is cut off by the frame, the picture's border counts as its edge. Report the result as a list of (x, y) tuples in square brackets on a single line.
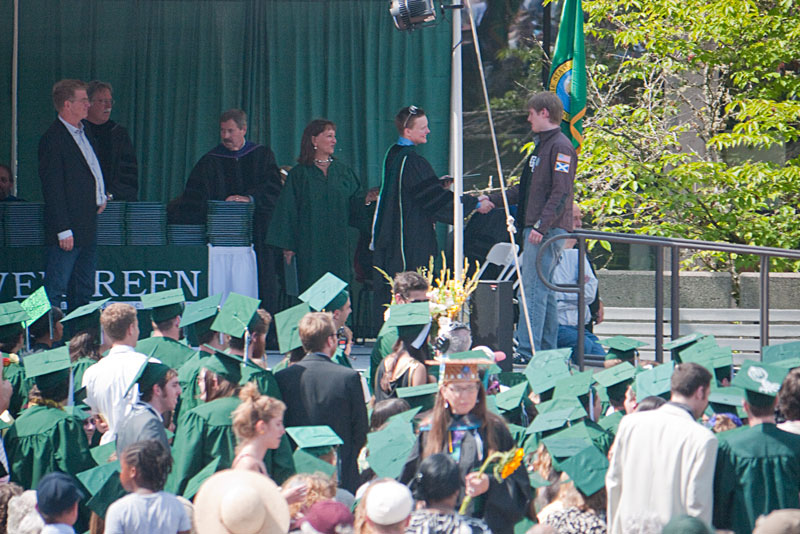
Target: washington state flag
[(568, 71)]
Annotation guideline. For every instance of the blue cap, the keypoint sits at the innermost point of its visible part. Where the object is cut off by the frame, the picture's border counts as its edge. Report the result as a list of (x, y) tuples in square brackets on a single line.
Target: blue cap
[(56, 493)]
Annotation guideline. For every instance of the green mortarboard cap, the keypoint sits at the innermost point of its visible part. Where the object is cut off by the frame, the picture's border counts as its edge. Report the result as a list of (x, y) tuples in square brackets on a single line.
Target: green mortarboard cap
[(323, 291), (726, 400), (561, 446), (36, 306), (389, 449), (698, 347), (194, 483), (782, 351), (48, 368), (235, 315), (511, 398), (517, 432), (81, 411), (760, 381), (554, 354), (423, 396), (655, 382), (683, 341), (404, 417), (412, 321), (616, 379), (537, 481), (544, 373), (286, 323), (491, 404), (102, 453), (575, 385), (164, 305), (94, 478), (110, 491), (12, 315), (308, 463), (511, 379), (718, 360), (611, 422), (85, 317), (587, 469), (150, 373), (555, 414), (201, 310), (314, 437), (79, 395), (788, 363), (621, 347), (227, 366)]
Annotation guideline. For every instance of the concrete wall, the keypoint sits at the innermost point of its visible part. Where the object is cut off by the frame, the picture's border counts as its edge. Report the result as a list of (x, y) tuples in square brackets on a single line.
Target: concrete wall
[(635, 289)]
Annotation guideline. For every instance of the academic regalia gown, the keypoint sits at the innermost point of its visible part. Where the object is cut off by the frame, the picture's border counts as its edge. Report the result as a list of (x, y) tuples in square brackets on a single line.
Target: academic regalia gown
[(757, 471), (504, 503), (171, 353), (203, 434), (45, 439), (312, 219), (187, 378), (15, 374), (78, 368)]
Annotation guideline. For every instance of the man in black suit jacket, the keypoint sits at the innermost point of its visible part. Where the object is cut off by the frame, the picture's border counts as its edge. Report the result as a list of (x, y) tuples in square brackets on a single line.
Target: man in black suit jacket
[(318, 391), (73, 191)]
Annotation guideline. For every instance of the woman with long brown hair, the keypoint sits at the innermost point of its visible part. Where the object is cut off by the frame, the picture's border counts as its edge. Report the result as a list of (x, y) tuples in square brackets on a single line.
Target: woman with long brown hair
[(461, 425)]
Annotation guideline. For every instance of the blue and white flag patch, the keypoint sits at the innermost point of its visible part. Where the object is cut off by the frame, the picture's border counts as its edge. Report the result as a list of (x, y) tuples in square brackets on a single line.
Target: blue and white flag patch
[(562, 162)]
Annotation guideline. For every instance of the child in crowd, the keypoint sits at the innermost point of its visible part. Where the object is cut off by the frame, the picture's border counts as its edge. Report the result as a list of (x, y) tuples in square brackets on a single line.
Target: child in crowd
[(144, 467), (57, 497)]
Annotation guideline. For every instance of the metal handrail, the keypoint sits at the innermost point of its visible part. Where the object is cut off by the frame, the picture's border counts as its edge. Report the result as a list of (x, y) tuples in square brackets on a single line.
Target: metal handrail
[(675, 245)]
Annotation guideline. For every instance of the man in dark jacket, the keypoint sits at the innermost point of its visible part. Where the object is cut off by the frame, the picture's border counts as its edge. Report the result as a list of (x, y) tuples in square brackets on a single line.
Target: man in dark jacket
[(112, 144), (318, 391), (544, 200), (74, 193)]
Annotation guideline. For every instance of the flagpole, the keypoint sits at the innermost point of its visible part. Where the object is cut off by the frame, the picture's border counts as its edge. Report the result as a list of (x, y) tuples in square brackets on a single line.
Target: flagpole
[(457, 145)]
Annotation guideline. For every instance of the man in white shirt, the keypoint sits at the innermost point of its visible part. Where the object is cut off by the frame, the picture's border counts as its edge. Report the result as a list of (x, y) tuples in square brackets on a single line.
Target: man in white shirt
[(662, 461), (108, 381), (74, 194)]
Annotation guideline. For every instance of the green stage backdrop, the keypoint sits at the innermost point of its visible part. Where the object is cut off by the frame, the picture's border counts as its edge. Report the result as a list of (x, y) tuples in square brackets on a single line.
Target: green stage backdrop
[(176, 64)]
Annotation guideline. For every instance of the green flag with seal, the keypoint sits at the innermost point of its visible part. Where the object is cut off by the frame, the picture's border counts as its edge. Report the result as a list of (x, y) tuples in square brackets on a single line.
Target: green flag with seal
[(568, 71)]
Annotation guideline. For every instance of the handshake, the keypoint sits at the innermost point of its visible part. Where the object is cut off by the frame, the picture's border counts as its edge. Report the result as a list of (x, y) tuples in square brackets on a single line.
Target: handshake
[(484, 204)]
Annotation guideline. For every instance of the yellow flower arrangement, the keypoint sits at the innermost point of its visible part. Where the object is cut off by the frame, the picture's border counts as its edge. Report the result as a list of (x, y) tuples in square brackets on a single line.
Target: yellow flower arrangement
[(505, 464)]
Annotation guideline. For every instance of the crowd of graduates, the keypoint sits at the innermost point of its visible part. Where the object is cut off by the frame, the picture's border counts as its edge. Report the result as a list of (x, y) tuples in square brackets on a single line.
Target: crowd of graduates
[(183, 430)]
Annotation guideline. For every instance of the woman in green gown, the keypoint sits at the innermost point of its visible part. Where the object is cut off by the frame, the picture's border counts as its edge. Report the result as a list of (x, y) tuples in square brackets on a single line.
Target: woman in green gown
[(311, 218)]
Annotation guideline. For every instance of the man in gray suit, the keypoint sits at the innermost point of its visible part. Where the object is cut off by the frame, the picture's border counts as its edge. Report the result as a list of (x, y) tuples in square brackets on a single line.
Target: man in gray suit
[(158, 394)]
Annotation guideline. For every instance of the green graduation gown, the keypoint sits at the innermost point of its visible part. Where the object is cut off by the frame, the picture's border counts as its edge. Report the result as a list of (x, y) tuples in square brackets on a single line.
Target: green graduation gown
[(78, 368), (15, 374), (187, 378), (45, 439), (312, 217), (758, 471), (203, 434), (171, 353)]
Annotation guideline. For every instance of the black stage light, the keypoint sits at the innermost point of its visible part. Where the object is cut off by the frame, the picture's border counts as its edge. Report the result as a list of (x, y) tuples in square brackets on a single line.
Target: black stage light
[(411, 14)]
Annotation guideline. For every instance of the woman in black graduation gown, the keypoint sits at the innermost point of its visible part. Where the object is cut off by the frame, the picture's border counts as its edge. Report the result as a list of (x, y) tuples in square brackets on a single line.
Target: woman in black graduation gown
[(461, 425)]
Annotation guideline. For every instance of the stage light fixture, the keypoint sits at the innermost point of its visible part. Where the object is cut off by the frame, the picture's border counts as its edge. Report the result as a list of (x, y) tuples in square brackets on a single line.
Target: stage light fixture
[(412, 14)]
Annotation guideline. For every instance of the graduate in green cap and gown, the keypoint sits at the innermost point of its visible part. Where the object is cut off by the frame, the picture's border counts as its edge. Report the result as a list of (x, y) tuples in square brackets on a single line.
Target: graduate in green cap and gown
[(82, 328), (289, 343), (329, 294), (312, 215), (45, 438), (462, 426), (405, 366), (12, 334), (758, 467), (164, 343)]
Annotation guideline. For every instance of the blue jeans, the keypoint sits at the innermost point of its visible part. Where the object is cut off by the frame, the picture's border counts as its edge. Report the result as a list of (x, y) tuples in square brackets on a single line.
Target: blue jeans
[(70, 273), (568, 337), (540, 300)]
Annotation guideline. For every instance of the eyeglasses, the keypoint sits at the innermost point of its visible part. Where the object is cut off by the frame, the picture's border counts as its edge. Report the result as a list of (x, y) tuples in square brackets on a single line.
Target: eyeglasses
[(412, 110), (416, 301), (463, 388)]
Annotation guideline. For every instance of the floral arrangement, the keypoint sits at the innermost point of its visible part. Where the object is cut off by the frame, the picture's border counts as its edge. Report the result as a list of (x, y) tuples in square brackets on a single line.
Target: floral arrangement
[(447, 294), (505, 463)]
